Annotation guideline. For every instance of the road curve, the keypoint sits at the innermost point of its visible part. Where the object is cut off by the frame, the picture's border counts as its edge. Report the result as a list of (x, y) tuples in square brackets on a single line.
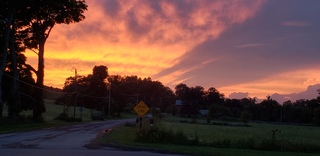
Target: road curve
[(65, 140)]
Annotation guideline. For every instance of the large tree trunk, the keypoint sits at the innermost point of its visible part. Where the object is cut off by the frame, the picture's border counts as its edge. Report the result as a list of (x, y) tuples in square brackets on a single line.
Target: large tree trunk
[(4, 56), (14, 105), (39, 106)]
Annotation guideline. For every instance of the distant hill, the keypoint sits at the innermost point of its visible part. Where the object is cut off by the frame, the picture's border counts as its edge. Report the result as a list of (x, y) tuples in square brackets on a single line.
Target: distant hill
[(51, 93)]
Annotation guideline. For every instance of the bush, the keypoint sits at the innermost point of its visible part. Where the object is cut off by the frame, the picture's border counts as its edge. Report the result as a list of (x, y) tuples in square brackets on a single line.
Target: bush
[(180, 138), (245, 117), (156, 113), (269, 144), (244, 143), (224, 143), (65, 117), (166, 136)]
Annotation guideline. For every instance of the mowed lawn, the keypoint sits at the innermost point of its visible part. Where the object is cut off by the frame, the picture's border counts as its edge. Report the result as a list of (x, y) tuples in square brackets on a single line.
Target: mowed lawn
[(126, 135)]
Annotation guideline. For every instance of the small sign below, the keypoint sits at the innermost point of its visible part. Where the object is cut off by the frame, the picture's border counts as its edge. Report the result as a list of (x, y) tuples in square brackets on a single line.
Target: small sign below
[(141, 108)]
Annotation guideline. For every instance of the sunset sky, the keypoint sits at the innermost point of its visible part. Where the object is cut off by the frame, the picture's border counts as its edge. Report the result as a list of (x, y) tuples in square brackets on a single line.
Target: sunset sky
[(250, 47)]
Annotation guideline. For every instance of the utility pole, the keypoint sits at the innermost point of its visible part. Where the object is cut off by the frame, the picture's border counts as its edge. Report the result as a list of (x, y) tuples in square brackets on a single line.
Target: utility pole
[(137, 98), (4, 55), (76, 94), (281, 113), (109, 101)]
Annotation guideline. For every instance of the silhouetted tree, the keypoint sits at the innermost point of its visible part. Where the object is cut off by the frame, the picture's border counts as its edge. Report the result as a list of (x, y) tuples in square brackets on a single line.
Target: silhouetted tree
[(86, 91), (316, 116), (288, 112), (269, 110), (128, 90), (19, 95), (219, 111), (43, 15), (245, 117), (213, 96), (119, 98), (196, 99), (192, 99), (6, 17)]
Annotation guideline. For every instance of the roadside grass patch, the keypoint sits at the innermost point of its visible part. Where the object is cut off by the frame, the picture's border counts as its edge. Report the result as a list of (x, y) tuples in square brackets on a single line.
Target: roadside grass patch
[(124, 137), (260, 136)]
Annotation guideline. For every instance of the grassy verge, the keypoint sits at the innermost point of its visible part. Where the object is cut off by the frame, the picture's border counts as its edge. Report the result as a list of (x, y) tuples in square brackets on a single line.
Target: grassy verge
[(125, 137)]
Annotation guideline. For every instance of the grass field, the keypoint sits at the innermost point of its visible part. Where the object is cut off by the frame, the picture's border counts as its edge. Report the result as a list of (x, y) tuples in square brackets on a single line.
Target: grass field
[(294, 133), (303, 135), (52, 111)]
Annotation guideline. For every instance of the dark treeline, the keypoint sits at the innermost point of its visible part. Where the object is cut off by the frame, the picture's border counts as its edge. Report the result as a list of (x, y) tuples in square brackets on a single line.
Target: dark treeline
[(98, 89), (196, 98)]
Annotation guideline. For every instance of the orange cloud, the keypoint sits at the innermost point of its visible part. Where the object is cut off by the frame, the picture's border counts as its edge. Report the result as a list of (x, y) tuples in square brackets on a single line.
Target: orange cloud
[(138, 37)]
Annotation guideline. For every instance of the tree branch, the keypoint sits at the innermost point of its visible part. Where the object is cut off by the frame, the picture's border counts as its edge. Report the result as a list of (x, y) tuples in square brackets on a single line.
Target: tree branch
[(33, 51), (31, 68), (49, 32)]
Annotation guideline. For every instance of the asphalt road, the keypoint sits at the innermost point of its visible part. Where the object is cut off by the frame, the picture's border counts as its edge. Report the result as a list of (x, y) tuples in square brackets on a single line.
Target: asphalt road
[(66, 140)]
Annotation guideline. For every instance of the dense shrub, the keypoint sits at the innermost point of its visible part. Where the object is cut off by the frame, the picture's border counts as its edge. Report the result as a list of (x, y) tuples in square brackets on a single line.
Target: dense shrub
[(162, 135), (65, 117), (244, 143), (245, 117)]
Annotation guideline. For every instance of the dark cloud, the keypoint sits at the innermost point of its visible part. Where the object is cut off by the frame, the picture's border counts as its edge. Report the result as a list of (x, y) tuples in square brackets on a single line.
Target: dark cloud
[(238, 95), (310, 93), (133, 25), (111, 7)]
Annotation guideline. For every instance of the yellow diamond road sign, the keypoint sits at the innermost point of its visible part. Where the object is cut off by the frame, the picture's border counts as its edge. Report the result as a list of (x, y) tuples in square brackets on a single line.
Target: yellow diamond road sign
[(141, 108)]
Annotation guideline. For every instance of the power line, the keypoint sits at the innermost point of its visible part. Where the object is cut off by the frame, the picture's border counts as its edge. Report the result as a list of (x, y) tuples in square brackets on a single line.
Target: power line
[(96, 97), (33, 85), (60, 92)]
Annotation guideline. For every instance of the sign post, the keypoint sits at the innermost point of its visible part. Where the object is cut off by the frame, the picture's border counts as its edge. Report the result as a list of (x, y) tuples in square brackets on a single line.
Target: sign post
[(141, 108)]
